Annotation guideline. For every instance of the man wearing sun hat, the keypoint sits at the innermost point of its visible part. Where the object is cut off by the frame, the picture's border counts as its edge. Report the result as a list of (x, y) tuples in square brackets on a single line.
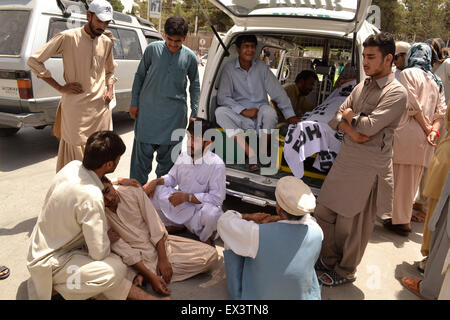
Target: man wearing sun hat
[(273, 257), (87, 55)]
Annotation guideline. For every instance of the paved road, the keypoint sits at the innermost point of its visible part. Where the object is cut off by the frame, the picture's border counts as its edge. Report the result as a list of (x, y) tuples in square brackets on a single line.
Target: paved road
[(27, 165)]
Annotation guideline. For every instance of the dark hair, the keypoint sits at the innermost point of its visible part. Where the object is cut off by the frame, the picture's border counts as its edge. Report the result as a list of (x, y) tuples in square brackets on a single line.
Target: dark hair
[(305, 75), (384, 41), (201, 123), (246, 38), (176, 26), (101, 147)]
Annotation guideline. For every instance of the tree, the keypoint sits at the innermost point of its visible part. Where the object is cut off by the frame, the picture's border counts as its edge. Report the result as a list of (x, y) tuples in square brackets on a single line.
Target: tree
[(392, 15), (187, 9), (117, 5), (415, 20)]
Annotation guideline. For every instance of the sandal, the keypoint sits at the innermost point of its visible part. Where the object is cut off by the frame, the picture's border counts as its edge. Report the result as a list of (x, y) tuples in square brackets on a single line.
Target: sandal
[(413, 285), (253, 167), (396, 228), (418, 216), (6, 275), (334, 279), (320, 266)]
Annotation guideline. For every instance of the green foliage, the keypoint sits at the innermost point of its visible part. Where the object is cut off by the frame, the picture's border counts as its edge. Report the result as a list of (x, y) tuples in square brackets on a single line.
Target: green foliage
[(415, 20), (117, 5), (189, 9)]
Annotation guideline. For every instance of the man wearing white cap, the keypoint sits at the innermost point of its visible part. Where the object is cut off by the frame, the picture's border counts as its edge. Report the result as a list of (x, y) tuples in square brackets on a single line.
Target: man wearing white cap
[(273, 257), (89, 66), (401, 49)]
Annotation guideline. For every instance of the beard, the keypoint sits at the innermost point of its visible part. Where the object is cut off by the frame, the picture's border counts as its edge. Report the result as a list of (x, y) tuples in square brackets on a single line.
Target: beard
[(94, 32)]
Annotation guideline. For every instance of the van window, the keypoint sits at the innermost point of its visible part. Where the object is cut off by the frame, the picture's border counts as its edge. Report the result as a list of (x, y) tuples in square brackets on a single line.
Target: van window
[(59, 25), (117, 48), (12, 31), (131, 46), (150, 36), (126, 42), (151, 39)]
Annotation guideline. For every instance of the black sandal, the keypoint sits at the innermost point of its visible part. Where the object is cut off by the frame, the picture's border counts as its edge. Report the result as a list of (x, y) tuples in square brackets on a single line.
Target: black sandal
[(6, 275), (335, 279), (320, 266)]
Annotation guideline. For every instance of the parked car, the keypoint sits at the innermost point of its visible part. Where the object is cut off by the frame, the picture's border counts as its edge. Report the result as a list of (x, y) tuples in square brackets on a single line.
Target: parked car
[(317, 35), (25, 26)]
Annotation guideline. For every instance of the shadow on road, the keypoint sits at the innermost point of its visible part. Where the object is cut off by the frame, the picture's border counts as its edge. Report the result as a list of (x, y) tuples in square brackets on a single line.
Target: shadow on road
[(380, 234), (30, 146), (122, 123), (27, 147), (344, 292), (25, 226)]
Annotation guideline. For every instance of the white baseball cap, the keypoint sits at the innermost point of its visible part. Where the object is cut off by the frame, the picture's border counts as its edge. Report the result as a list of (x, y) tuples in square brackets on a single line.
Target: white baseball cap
[(102, 9)]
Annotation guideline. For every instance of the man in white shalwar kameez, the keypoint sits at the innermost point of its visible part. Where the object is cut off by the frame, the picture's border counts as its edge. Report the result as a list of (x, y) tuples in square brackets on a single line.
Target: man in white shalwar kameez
[(200, 177), (69, 251)]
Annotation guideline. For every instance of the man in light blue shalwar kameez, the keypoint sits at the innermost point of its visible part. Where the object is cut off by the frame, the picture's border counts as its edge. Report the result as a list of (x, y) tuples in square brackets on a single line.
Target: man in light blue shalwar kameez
[(158, 100), (270, 257)]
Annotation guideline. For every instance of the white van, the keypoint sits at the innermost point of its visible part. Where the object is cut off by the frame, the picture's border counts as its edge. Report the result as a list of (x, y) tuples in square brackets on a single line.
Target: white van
[(25, 26), (321, 35)]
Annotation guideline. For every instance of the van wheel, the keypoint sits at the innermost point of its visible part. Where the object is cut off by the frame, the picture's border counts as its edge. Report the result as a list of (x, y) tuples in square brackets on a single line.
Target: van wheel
[(6, 132)]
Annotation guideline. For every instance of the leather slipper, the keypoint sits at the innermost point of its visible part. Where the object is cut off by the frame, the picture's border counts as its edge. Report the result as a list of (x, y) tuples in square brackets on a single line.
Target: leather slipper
[(413, 285), (396, 228), (418, 216)]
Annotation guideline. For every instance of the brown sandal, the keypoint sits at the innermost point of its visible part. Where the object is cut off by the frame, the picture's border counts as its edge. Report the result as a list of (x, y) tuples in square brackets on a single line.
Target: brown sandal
[(418, 216), (413, 285)]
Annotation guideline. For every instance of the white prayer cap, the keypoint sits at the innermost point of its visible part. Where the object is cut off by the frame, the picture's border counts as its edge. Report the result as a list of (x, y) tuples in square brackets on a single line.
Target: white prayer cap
[(294, 196), (401, 47), (102, 9)]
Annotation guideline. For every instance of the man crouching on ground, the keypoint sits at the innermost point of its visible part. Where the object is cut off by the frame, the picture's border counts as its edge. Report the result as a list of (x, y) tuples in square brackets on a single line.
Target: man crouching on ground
[(69, 251), (144, 244)]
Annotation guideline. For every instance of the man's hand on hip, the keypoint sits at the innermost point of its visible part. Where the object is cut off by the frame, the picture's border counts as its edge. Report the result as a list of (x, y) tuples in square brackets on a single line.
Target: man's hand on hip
[(250, 113), (133, 112)]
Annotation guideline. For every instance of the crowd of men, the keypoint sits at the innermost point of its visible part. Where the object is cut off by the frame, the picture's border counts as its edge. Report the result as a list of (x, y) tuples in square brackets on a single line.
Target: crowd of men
[(105, 238)]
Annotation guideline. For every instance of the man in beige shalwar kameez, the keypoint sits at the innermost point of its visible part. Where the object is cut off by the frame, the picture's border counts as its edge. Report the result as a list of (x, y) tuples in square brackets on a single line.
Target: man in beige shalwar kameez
[(360, 185), (145, 244), (89, 66), (416, 135), (69, 251)]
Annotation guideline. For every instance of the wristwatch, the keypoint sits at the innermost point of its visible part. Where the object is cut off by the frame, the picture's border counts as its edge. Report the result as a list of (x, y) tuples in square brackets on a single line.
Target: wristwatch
[(190, 197)]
